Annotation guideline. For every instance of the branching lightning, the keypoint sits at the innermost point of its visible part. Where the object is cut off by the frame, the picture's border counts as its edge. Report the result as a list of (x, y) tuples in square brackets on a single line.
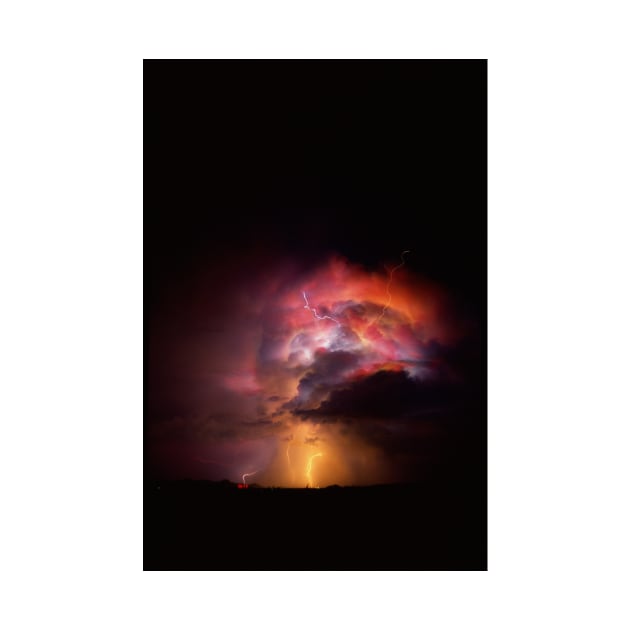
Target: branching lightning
[(309, 468), (313, 310), (389, 283)]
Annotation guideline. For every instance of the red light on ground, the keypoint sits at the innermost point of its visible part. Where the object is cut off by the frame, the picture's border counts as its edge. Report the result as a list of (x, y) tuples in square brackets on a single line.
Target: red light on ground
[(240, 486)]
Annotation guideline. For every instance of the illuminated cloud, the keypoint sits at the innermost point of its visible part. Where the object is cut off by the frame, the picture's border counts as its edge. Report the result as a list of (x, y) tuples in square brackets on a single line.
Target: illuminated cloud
[(317, 376)]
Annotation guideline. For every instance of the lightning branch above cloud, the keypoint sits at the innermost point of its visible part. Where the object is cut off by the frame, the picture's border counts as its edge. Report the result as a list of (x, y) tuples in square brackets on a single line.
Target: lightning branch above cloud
[(389, 282)]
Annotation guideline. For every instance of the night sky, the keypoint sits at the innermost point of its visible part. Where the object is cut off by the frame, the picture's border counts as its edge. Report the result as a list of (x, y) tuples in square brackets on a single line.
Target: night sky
[(315, 264)]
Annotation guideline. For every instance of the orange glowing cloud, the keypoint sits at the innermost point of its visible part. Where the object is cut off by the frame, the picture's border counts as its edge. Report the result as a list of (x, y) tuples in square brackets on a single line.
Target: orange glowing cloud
[(315, 334)]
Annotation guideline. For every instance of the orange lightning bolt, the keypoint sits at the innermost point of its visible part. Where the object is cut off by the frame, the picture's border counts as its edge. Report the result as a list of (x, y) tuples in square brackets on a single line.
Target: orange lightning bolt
[(389, 283), (309, 468)]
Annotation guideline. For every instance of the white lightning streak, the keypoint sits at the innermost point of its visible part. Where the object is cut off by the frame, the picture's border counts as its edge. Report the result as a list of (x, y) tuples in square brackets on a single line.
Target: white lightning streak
[(313, 310), (249, 475)]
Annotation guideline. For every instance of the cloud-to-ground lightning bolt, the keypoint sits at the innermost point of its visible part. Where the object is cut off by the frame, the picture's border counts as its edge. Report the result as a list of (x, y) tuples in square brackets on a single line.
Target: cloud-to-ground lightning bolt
[(249, 475), (309, 468), (389, 283), (313, 310)]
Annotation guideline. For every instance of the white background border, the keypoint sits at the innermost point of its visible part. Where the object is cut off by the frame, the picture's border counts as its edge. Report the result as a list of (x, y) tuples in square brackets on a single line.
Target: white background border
[(71, 334)]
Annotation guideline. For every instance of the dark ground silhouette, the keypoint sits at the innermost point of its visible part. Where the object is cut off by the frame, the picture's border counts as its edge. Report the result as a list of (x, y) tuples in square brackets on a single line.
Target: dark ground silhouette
[(197, 525)]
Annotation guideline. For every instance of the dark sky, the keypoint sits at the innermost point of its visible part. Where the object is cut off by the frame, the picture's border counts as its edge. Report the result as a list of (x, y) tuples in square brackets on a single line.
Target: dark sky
[(281, 319)]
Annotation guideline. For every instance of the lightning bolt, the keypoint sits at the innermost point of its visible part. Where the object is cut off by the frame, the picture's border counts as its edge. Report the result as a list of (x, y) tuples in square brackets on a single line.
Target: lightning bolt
[(313, 310), (249, 475), (389, 283), (309, 468)]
